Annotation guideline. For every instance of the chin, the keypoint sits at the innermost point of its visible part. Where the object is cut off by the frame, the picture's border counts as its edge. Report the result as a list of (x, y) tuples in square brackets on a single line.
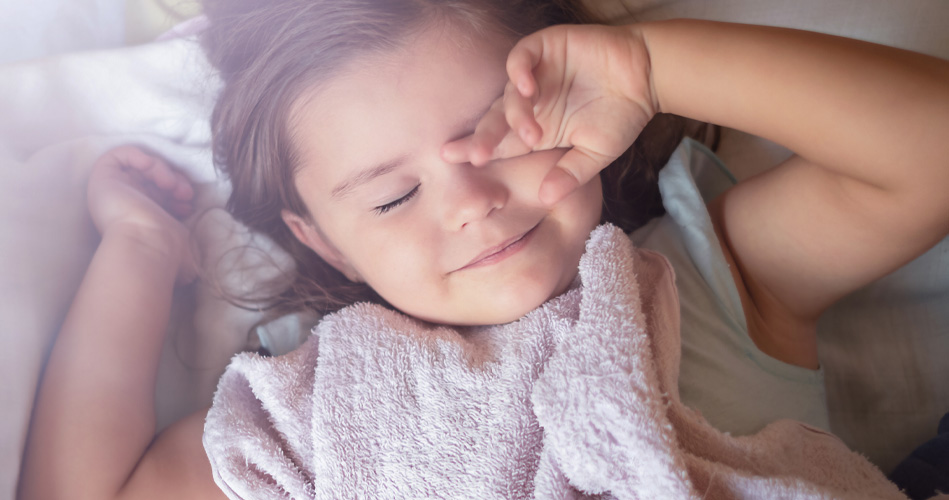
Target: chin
[(502, 307), (514, 306), (496, 309)]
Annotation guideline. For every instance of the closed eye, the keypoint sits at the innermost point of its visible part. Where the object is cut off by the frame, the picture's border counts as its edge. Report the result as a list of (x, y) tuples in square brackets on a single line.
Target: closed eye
[(389, 206)]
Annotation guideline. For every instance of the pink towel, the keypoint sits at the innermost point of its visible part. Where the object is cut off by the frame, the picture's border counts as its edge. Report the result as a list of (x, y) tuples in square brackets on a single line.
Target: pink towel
[(578, 399)]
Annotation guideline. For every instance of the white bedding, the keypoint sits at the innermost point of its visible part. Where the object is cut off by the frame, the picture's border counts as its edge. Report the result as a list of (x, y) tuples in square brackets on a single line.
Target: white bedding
[(46, 27), (57, 114)]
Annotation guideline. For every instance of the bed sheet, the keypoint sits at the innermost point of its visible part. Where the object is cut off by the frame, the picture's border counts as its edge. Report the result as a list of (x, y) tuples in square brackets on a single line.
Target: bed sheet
[(57, 114)]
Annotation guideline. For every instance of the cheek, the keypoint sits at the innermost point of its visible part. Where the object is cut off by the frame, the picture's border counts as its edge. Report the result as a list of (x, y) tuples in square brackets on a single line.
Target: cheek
[(578, 215), (585, 205), (393, 262), (593, 195)]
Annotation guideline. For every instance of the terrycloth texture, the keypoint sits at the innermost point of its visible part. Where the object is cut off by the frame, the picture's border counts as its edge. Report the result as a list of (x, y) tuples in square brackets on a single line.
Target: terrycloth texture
[(578, 398)]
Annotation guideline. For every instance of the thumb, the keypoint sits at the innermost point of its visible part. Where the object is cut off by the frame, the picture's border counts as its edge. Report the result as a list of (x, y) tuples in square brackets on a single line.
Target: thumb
[(575, 168)]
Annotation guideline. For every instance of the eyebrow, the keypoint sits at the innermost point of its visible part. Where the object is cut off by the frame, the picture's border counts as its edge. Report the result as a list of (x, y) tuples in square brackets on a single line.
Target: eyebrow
[(364, 176)]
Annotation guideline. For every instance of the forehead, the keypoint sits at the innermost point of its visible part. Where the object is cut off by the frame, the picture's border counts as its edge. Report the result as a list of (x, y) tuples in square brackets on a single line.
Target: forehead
[(395, 103)]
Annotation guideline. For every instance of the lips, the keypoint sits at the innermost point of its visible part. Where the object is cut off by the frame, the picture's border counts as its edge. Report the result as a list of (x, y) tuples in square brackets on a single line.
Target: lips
[(502, 251)]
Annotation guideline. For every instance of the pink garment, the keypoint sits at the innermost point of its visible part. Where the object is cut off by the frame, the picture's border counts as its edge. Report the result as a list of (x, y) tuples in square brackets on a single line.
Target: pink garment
[(577, 399)]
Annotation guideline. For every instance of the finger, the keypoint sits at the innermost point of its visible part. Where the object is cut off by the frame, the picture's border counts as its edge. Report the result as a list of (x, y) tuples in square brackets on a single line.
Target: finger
[(169, 193), (160, 174), (170, 181), (489, 133), (130, 156), (115, 162), (133, 160), (183, 190), (510, 146), (457, 151), (179, 209), (574, 169), (156, 194), (519, 113), (522, 60)]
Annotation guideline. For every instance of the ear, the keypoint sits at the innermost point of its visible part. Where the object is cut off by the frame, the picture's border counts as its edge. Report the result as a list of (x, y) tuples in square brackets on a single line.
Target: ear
[(310, 235)]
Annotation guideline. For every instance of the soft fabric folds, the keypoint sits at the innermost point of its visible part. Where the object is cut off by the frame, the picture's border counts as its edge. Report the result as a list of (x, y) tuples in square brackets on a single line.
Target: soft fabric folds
[(578, 399)]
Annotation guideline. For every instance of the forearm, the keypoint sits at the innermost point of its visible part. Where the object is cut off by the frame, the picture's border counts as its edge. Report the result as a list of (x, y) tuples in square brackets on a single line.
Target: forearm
[(870, 112), (94, 415)]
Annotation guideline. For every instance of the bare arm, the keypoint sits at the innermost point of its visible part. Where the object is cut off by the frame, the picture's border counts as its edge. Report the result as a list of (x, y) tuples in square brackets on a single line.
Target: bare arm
[(866, 194), (94, 418)]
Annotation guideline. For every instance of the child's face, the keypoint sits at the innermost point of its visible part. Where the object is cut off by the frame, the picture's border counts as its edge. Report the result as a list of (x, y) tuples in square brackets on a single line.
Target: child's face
[(447, 243)]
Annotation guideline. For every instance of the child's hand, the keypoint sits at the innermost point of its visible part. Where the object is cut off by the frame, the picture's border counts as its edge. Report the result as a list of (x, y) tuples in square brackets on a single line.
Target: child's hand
[(134, 191), (581, 87)]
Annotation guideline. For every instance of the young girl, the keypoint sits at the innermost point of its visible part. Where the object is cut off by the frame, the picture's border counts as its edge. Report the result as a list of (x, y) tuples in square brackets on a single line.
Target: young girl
[(416, 154)]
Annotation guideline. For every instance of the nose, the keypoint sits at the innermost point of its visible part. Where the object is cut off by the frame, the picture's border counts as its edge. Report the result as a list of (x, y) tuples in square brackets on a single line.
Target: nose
[(471, 194)]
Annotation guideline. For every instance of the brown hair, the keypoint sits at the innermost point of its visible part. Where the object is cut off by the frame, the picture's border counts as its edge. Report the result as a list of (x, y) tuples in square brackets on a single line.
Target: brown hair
[(269, 52)]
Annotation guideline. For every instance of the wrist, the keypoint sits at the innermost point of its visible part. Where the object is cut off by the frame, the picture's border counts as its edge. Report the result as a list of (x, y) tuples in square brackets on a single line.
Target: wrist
[(640, 86), (161, 247), (645, 33)]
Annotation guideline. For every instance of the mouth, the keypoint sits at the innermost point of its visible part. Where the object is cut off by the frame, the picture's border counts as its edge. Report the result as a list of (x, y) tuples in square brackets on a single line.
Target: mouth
[(500, 252)]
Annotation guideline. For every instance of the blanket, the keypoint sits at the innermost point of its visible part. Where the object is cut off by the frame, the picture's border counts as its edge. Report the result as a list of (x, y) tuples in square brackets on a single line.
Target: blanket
[(577, 399)]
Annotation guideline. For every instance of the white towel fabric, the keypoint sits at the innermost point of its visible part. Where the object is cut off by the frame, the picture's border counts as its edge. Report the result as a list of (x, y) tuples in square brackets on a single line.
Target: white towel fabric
[(578, 399)]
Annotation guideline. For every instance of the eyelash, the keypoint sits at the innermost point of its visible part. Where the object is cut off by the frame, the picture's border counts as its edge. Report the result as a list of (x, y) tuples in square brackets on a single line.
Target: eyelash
[(389, 206)]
